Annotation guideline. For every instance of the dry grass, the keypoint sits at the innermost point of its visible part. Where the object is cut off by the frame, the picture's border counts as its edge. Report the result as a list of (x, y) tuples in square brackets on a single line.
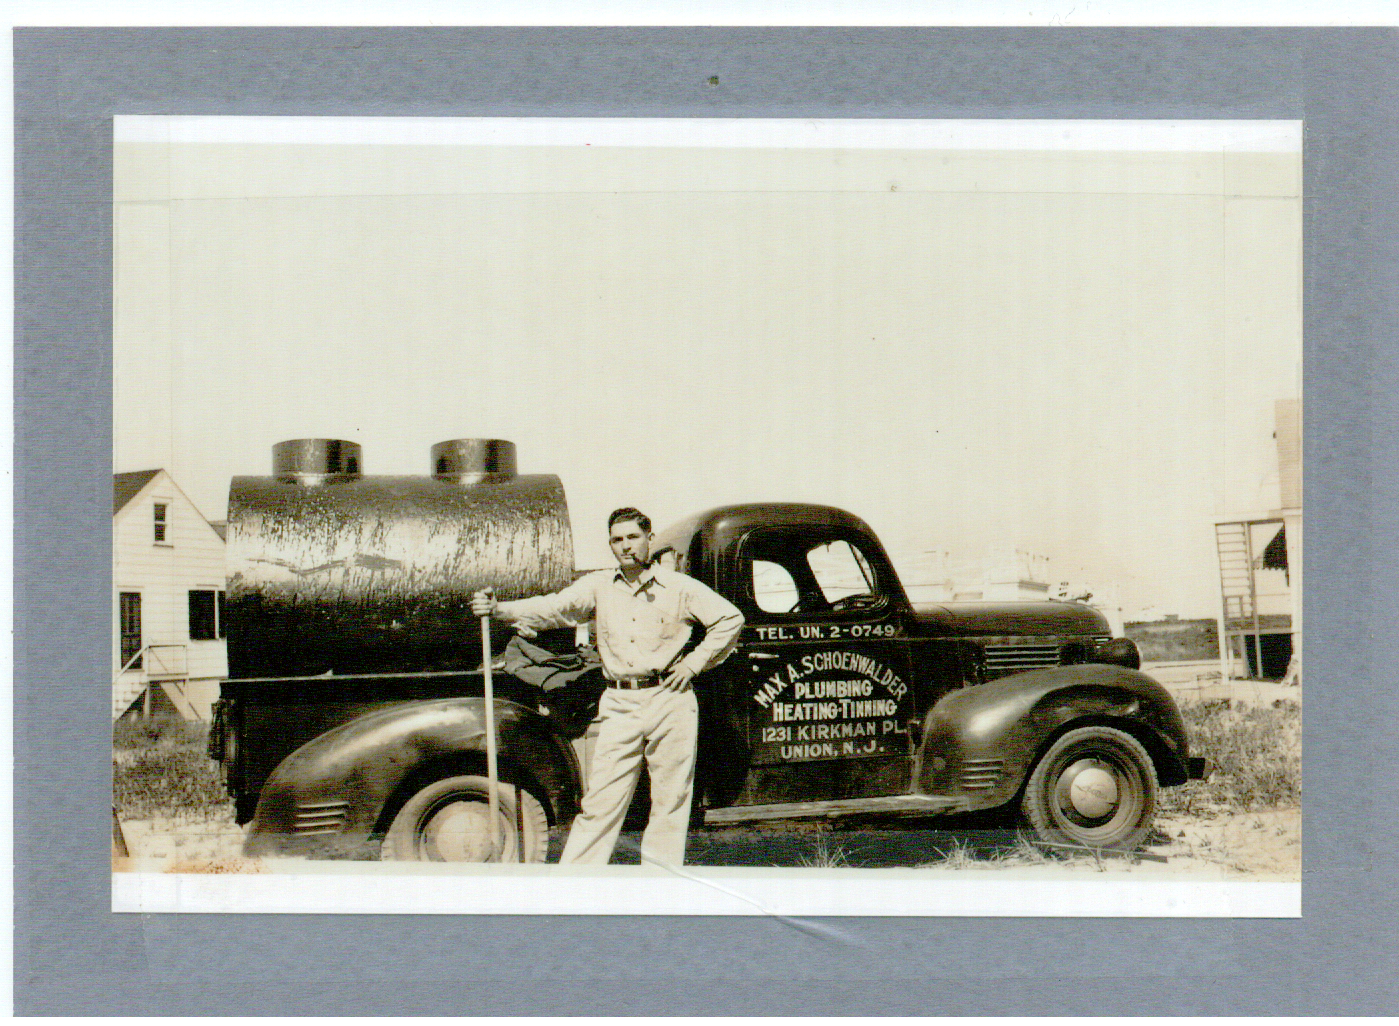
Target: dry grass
[(964, 854), (1022, 852), (1257, 752), (826, 853), (161, 766)]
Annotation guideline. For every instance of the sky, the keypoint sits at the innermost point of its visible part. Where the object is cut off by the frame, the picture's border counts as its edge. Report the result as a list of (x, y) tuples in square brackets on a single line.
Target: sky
[(1059, 337)]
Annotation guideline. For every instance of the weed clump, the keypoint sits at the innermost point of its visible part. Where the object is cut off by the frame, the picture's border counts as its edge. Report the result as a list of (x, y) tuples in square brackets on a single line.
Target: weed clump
[(825, 853), (161, 766), (131, 734), (1257, 753)]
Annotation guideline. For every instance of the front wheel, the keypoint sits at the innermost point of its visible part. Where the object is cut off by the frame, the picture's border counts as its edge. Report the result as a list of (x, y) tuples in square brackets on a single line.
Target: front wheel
[(449, 821), (1095, 787)]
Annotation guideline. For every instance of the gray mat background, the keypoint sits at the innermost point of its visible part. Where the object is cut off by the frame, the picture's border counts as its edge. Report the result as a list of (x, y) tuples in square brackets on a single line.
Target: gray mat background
[(74, 957)]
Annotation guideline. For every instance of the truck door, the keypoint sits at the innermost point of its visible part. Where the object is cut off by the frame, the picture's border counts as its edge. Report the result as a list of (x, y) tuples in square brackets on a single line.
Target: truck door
[(829, 697)]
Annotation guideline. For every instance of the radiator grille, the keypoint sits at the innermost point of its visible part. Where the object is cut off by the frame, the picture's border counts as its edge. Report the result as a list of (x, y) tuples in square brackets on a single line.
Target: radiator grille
[(981, 774), (1006, 659), (320, 817)]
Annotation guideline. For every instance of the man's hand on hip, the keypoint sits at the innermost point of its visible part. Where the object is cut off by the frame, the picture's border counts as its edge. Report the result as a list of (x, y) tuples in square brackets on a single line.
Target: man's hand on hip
[(679, 679)]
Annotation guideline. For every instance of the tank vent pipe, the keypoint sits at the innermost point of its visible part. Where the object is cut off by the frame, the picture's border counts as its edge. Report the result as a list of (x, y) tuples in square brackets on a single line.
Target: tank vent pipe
[(317, 460), (473, 460)]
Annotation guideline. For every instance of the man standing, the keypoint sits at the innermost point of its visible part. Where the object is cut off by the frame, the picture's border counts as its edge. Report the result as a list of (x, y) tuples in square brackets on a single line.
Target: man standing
[(643, 616)]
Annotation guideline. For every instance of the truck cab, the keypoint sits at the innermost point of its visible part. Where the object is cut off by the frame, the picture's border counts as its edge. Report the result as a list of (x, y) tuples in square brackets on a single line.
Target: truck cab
[(835, 700)]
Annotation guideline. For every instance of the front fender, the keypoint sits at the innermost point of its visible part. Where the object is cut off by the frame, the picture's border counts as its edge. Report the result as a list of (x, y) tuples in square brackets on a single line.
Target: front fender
[(325, 799), (980, 743)]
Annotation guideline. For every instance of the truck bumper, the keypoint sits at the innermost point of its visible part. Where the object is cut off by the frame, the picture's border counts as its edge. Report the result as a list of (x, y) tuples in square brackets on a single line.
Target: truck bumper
[(1198, 767)]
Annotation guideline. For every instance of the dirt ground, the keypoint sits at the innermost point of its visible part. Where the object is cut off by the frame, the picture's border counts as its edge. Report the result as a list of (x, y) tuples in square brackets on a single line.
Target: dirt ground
[(1260, 845), (189, 844)]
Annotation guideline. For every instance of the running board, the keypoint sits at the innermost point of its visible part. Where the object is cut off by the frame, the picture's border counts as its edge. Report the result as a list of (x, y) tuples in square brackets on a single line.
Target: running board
[(894, 804)]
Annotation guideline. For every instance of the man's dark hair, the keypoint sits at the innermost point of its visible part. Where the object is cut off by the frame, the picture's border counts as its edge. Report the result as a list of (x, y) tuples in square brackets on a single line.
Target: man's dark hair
[(629, 513)]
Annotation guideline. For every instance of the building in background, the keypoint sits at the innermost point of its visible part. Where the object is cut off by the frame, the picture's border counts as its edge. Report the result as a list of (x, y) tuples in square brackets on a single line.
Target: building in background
[(168, 651), (1260, 570), (1002, 574)]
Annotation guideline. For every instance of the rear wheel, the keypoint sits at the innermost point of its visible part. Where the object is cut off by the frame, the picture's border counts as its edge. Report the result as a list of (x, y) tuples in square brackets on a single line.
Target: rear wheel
[(450, 821), (1095, 787)]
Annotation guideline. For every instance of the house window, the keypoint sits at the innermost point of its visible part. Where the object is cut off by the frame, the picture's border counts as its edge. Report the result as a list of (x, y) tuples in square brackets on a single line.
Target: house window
[(205, 615), (130, 628), (160, 511)]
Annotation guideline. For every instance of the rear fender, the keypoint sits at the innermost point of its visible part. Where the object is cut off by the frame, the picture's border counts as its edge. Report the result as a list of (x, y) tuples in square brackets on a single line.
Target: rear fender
[(980, 743), (326, 799)]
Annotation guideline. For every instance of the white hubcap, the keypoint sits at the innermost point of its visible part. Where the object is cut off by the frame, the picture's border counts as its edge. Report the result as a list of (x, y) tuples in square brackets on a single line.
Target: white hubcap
[(1093, 791), (459, 832)]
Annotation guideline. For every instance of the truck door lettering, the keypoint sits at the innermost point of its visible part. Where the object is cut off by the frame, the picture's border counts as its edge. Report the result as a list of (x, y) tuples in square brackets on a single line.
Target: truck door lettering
[(809, 752), (833, 689), (770, 690), (823, 631), (833, 696)]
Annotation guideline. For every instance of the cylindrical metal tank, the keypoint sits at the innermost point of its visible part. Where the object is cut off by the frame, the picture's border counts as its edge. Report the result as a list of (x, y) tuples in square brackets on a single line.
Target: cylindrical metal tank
[(331, 571)]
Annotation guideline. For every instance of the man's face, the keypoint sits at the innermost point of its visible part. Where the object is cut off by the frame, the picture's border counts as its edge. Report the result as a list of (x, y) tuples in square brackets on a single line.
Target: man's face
[(630, 544)]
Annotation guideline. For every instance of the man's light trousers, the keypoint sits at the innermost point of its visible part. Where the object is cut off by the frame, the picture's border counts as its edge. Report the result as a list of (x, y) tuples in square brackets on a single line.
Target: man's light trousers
[(662, 727)]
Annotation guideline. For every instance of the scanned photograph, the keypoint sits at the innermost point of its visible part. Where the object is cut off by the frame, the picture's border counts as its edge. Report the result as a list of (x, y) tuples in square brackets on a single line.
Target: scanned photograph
[(706, 515)]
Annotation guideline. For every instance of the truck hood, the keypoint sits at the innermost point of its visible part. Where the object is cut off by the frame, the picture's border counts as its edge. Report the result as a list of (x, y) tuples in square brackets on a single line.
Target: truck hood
[(992, 619)]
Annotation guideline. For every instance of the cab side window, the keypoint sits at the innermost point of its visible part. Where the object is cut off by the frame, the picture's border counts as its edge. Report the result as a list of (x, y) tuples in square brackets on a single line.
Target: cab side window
[(841, 572), (773, 587), (800, 575)]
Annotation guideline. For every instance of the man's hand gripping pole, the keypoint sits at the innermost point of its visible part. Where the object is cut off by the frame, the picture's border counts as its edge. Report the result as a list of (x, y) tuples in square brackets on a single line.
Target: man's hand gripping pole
[(492, 776)]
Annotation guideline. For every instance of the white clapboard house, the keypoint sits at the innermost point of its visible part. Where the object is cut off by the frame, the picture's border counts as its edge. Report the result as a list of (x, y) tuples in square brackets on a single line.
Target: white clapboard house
[(167, 600)]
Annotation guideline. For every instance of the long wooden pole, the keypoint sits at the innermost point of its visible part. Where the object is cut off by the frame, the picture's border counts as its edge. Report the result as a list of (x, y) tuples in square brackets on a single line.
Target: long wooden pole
[(492, 777)]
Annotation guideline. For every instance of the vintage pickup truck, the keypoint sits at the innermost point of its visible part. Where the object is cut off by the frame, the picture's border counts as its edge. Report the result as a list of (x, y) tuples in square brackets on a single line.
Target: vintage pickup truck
[(842, 699)]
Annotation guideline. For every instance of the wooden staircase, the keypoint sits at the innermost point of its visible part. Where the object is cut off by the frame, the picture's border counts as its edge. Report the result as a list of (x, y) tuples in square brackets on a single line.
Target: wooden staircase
[(166, 666), (1235, 571)]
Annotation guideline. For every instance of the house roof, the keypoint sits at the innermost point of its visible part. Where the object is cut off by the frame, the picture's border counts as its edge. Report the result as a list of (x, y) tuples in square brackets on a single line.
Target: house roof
[(125, 487)]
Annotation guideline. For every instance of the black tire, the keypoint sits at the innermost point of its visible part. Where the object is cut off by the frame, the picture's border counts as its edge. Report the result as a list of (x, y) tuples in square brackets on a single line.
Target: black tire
[(1095, 787), (448, 821)]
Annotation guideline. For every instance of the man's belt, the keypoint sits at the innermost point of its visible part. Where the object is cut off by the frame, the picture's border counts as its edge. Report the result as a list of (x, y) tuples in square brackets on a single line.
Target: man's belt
[(646, 680)]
